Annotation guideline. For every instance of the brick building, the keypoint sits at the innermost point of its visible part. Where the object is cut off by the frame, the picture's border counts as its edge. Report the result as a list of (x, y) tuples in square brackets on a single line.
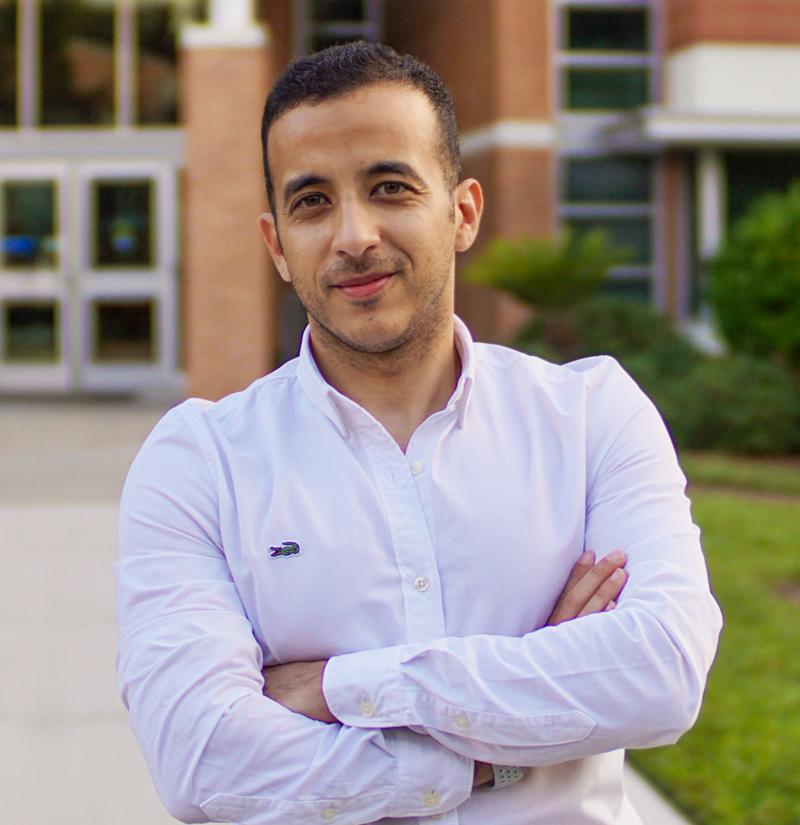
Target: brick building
[(130, 164)]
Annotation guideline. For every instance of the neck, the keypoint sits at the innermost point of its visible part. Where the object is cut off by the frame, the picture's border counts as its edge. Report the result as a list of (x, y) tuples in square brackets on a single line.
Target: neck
[(400, 388)]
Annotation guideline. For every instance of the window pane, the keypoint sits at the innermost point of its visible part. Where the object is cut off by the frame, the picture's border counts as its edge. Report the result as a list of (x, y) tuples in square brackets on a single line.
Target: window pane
[(123, 331), (8, 62), (753, 174), (637, 289), (29, 224), (607, 30), (632, 234), (156, 69), (618, 180), (122, 223), (30, 332), (606, 88), (77, 64), (325, 11)]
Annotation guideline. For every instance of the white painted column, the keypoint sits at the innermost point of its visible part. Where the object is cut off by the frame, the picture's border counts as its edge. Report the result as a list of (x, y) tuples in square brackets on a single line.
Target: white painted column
[(230, 23), (710, 201)]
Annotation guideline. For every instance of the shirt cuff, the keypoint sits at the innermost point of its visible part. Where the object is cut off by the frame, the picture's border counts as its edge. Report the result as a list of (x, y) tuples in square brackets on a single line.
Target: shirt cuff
[(431, 779), (363, 689)]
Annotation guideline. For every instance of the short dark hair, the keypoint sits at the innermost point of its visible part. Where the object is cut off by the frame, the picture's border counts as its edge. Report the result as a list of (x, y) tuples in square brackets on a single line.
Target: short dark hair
[(339, 70)]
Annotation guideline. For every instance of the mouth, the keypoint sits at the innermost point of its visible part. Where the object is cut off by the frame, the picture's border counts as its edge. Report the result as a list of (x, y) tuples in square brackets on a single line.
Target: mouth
[(365, 286)]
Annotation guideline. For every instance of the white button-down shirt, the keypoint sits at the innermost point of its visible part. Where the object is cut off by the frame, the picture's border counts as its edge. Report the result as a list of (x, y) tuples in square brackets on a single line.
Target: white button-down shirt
[(283, 523)]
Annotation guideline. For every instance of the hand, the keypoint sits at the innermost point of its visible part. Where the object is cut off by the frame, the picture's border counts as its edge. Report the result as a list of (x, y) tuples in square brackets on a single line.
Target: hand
[(591, 588), (298, 687)]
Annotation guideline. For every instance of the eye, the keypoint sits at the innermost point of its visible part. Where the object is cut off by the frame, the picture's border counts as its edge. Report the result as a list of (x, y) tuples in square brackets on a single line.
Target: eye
[(310, 201), (390, 187)]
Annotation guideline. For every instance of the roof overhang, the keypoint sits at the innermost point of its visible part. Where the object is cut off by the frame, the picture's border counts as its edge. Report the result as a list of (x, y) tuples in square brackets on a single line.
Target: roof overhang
[(662, 127)]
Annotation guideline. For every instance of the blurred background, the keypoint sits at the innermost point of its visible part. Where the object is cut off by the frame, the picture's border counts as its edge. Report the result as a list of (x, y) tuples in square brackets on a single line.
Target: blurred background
[(638, 160)]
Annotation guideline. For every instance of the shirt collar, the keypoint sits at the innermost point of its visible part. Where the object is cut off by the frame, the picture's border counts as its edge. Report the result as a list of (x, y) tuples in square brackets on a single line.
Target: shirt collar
[(336, 406)]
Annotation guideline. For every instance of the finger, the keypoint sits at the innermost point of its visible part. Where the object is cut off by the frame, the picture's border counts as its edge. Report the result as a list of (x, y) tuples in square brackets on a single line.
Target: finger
[(579, 570), (610, 606), (581, 567), (573, 601), (608, 591)]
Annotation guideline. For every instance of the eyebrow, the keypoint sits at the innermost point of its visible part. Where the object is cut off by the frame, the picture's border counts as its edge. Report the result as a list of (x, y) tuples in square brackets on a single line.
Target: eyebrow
[(394, 167), (300, 182)]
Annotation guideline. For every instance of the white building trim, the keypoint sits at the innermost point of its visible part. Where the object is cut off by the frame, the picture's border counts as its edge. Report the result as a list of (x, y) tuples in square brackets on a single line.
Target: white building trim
[(231, 25), (734, 79), (509, 134)]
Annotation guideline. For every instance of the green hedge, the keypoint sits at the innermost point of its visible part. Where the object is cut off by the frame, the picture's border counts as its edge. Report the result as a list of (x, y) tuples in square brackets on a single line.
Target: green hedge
[(735, 403)]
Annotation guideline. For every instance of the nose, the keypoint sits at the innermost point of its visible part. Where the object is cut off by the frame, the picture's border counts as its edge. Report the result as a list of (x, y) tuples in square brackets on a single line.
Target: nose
[(356, 229)]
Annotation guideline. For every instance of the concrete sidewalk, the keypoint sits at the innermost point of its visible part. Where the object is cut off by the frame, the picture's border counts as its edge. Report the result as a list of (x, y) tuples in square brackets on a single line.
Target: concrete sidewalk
[(67, 754)]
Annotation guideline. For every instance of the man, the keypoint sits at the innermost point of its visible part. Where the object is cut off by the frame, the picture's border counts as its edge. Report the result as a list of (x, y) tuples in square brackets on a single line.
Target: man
[(342, 591)]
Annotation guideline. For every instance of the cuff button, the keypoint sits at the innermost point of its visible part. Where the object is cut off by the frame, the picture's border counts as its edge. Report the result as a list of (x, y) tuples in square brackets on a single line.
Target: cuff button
[(328, 814), (431, 800), (366, 708)]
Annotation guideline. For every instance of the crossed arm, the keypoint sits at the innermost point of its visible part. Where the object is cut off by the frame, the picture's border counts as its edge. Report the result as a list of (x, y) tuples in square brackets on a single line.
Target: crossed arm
[(591, 588)]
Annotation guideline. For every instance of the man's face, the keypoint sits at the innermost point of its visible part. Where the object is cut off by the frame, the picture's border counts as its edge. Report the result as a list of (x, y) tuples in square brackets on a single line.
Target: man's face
[(367, 227)]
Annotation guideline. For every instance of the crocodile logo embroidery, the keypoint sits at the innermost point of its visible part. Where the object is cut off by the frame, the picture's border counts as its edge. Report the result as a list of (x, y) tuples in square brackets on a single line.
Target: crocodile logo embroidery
[(288, 548)]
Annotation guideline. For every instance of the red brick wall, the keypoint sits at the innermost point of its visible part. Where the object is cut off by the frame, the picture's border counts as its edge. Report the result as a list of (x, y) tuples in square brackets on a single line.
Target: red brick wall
[(736, 21), (228, 296)]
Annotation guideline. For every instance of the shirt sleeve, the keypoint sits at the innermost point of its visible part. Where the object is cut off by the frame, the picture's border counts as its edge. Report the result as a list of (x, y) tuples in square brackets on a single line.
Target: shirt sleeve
[(633, 677), (189, 672)]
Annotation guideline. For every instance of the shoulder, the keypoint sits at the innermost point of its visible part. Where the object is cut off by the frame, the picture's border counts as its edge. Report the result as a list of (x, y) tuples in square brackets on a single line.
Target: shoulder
[(593, 381), (265, 396), (202, 428)]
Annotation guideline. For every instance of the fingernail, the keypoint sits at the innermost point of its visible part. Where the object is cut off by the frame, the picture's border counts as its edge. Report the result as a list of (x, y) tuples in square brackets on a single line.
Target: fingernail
[(618, 575), (611, 605), (616, 557), (586, 557)]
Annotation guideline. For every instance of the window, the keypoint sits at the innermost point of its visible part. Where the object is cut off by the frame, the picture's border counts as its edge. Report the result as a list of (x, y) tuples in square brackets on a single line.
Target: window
[(156, 64), (123, 331), (749, 175), (91, 62), (29, 234), (123, 216), (619, 180), (605, 29), (606, 57), (326, 23), (613, 194), (8, 62), (30, 332), (77, 66), (629, 234)]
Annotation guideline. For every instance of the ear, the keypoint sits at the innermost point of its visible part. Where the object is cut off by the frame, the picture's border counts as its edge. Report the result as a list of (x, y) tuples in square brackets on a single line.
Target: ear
[(469, 208), (269, 232)]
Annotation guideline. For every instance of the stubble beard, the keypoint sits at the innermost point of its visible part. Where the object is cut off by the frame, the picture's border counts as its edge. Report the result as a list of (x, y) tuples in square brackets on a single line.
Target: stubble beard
[(381, 351)]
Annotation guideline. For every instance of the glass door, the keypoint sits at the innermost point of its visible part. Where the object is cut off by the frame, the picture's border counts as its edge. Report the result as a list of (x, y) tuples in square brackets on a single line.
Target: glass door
[(88, 263), (126, 314), (35, 306)]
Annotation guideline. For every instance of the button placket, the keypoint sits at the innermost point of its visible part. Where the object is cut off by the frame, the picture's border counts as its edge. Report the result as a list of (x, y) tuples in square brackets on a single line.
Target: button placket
[(402, 496)]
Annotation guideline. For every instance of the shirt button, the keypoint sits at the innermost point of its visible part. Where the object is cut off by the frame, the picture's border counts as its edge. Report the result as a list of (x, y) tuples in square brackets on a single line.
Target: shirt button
[(328, 814), (462, 721), (431, 800), (417, 467), (421, 583), (366, 708)]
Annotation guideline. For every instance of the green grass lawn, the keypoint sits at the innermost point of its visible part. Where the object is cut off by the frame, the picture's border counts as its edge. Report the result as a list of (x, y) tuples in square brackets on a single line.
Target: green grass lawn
[(740, 765), (776, 475)]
